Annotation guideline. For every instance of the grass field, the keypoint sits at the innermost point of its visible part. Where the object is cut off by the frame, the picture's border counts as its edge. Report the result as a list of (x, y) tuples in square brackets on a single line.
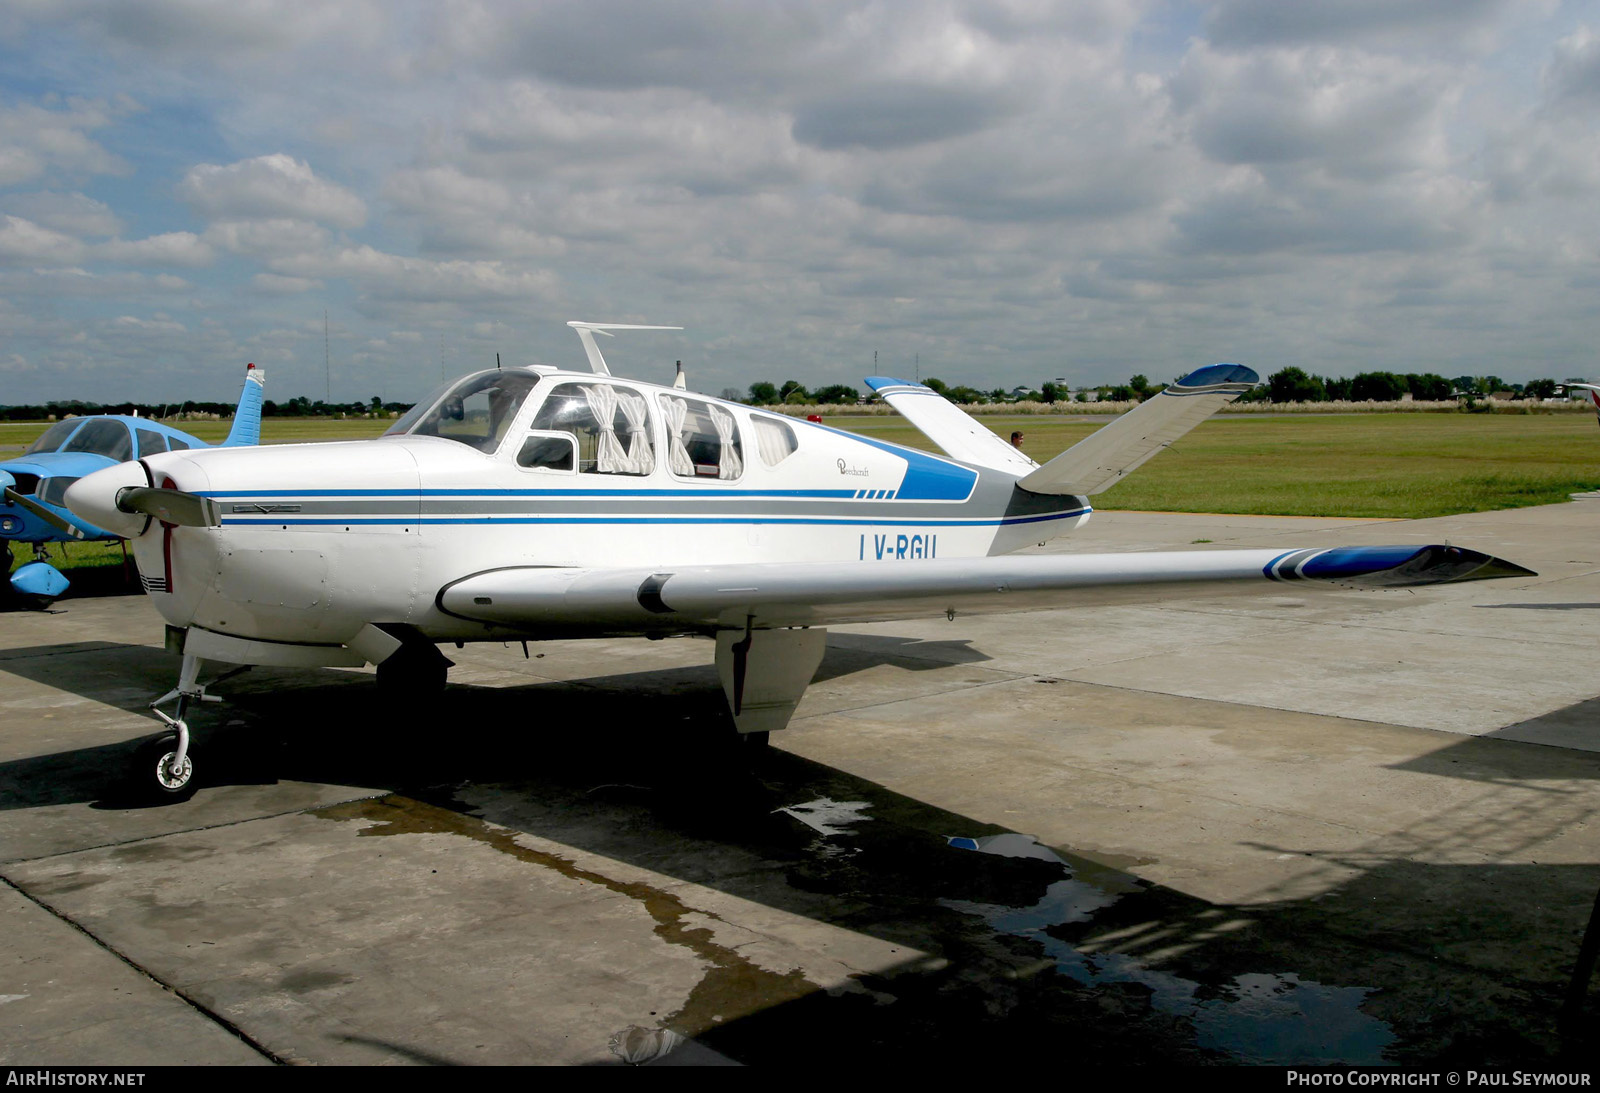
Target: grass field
[(1382, 465), (1374, 465)]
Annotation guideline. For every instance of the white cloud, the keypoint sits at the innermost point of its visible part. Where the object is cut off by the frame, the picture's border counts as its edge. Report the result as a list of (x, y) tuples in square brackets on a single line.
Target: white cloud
[(169, 249), (279, 285), (36, 139), (1061, 187), (22, 242), (267, 238), (70, 213), (270, 187), (1348, 113), (1572, 78), (394, 277)]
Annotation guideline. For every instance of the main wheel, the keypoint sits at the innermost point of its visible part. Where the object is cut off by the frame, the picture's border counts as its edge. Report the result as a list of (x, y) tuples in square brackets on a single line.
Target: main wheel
[(156, 774)]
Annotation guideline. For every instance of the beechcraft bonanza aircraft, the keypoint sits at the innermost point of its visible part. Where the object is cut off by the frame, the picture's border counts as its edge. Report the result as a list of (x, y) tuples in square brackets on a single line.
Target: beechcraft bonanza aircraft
[(35, 482), (535, 503)]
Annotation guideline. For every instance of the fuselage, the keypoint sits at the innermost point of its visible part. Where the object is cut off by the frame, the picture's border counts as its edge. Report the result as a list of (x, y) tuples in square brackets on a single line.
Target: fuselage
[(538, 467)]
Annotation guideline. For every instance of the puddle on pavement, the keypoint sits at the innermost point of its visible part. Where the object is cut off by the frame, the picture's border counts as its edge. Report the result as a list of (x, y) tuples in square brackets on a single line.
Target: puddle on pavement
[(829, 818), (1257, 1018)]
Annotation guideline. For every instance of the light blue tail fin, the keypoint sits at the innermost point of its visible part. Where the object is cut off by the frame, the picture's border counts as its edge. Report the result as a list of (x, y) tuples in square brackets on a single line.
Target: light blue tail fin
[(247, 418)]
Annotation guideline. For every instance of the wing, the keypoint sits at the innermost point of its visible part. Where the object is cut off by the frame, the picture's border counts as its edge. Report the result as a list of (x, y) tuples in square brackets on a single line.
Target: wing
[(765, 595)]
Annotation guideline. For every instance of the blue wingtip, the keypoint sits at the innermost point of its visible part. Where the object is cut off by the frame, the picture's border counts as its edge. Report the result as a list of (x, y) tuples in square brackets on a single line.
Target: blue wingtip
[(878, 383), (1219, 373)]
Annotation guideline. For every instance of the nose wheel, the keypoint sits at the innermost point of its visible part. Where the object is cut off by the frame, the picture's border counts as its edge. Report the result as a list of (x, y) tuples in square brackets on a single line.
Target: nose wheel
[(164, 769)]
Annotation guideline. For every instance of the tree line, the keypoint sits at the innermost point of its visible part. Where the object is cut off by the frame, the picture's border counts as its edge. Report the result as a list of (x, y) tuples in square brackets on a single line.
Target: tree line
[(1296, 385), (1288, 385)]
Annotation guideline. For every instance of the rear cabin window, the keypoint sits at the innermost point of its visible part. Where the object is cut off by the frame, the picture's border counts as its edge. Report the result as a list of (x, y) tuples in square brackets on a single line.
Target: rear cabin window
[(103, 436), (702, 439), (610, 423), (775, 440)]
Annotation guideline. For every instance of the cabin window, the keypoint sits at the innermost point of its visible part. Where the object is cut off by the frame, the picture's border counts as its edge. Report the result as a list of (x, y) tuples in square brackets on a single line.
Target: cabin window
[(702, 439), (610, 423), (546, 452), (775, 440), (52, 437), (475, 411), (151, 442), (103, 436)]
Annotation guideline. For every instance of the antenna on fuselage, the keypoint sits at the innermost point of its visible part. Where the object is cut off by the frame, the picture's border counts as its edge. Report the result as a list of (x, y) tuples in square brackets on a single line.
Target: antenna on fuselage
[(587, 331), (680, 382)]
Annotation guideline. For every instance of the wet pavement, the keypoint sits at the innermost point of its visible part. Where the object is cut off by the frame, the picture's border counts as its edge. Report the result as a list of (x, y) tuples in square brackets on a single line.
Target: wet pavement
[(977, 838)]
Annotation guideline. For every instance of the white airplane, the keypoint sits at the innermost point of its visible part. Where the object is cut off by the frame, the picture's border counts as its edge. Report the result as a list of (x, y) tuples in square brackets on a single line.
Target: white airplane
[(536, 503)]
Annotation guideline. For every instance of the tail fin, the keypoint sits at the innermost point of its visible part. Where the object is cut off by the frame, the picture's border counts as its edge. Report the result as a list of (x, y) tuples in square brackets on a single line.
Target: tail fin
[(1100, 460), (247, 418), (942, 422)]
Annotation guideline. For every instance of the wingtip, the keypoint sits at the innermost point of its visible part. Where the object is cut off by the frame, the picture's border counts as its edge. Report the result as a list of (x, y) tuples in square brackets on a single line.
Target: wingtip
[(1214, 374), (1398, 567)]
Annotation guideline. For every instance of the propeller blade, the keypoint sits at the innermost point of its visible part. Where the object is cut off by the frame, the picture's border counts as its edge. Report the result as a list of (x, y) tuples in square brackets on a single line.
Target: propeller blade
[(49, 516), (188, 510)]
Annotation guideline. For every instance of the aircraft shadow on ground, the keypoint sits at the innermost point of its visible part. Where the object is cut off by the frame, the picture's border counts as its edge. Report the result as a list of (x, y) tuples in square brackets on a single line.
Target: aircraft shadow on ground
[(1559, 746), (1396, 960)]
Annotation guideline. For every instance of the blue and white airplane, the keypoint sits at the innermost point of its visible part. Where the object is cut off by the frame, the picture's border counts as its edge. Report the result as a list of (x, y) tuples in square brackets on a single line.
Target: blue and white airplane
[(35, 483), (537, 503)]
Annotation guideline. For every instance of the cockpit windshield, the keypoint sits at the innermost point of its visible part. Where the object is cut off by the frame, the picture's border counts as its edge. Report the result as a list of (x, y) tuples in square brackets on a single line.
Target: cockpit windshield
[(476, 410), (53, 436)]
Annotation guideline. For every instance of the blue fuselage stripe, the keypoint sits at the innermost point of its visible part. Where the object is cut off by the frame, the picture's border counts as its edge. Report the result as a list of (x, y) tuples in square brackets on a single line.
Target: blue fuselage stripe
[(824, 521), (575, 494)]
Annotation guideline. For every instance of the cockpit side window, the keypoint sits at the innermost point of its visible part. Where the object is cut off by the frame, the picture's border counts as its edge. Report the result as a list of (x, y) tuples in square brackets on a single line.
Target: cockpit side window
[(702, 439), (103, 436), (611, 424), (151, 442), (52, 437), (476, 411)]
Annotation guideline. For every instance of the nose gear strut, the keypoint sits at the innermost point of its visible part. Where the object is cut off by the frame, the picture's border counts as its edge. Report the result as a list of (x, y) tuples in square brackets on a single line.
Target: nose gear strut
[(173, 765)]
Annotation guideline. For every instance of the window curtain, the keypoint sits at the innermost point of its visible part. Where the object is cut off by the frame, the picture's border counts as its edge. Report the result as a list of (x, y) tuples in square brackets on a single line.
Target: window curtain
[(732, 466), (773, 440), (609, 458), (677, 412), (641, 452)]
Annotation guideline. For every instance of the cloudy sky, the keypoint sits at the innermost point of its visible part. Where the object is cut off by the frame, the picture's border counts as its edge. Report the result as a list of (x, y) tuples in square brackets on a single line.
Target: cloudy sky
[(991, 192)]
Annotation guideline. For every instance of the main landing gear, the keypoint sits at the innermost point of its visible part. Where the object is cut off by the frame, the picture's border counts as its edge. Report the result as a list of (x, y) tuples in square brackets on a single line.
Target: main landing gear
[(414, 673)]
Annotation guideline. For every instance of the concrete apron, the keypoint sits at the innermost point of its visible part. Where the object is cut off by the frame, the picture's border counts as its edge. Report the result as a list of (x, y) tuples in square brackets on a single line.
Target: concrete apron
[(1320, 827)]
